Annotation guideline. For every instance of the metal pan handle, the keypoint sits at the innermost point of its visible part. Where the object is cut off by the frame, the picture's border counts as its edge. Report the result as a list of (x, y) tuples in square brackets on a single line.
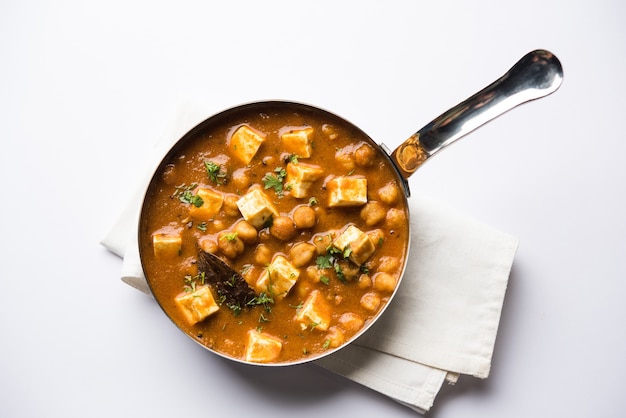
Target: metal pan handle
[(536, 75)]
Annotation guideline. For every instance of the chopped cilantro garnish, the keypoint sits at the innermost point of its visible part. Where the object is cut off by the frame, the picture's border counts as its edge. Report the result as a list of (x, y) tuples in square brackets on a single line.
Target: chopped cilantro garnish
[(192, 281), (262, 299), (231, 236), (215, 172), (235, 307), (185, 195), (275, 180), (330, 260), (324, 261)]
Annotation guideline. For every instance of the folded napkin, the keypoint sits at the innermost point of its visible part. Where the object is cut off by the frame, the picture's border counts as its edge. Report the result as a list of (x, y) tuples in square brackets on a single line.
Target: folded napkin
[(443, 320)]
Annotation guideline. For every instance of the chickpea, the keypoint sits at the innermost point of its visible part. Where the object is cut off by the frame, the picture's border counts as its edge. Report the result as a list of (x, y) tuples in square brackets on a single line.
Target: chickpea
[(304, 217), (364, 156), (365, 281), (208, 244), (389, 193), (396, 218), (282, 228), (384, 282), (229, 244), (301, 253), (345, 160), (335, 337), (229, 206), (377, 236), (322, 241), (262, 255), (246, 231), (348, 269), (241, 178), (350, 322), (389, 264), (373, 212), (370, 301)]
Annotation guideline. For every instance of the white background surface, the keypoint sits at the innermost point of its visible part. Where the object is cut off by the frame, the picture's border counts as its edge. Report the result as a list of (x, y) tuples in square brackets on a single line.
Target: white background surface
[(87, 88)]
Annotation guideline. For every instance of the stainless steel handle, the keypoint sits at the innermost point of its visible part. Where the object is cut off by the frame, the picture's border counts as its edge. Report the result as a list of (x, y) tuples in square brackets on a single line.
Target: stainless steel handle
[(535, 75)]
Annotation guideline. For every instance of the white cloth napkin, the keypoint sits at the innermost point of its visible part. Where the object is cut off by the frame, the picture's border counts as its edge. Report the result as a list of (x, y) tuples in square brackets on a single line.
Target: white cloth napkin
[(442, 322)]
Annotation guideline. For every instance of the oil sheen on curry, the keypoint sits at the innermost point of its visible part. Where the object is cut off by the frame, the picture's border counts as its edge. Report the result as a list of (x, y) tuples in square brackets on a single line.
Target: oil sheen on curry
[(305, 208)]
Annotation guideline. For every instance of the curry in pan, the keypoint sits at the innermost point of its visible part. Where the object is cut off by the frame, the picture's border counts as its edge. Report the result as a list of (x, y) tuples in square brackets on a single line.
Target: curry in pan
[(307, 209)]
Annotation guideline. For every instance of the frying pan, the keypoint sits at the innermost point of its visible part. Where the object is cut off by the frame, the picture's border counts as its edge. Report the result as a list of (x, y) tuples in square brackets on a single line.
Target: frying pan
[(537, 74)]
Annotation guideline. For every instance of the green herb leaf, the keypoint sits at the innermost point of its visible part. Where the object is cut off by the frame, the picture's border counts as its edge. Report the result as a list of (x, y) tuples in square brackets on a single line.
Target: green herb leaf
[(231, 236), (214, 172), (185, 195), (262, 299), (235, 307), (339, 272), (324, 261), (192, 281), (275, 181)]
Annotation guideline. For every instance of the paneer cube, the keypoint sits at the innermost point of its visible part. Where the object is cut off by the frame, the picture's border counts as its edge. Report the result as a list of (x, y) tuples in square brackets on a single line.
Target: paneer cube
[(298, 141), (167, 245), (211, 204), (197, 305), (278, 278), (300, 178), (347, 191), (256, 208), (262, 347), (360, 245), (245, 142), (315, 313)]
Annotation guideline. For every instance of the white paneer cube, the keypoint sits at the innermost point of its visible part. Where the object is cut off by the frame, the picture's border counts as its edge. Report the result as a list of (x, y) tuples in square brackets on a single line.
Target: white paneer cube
[(278, 278), (262, 347), (300, 178), (315, 313), (347, 191), (167, 245), (360, 245), (197, 305), (245, 142), (256, 208), (211, 204), (298, 141)]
